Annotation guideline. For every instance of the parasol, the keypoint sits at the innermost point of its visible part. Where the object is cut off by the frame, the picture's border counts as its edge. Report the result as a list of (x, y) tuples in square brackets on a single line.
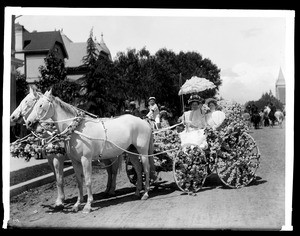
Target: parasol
[(195, 85)]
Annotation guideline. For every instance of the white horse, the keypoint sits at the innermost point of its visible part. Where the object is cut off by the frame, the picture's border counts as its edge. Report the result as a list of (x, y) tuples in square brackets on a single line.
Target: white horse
[(280, 117), (94, 138), (56, 161)]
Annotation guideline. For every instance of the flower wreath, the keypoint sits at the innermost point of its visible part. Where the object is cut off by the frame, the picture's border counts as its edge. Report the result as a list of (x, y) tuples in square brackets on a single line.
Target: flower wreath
[(34, 143)]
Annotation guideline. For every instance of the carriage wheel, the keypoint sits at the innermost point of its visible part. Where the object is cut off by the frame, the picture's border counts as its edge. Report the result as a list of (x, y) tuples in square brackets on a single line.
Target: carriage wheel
[(190, 168), (132, 175), (130, 171), (238, 169)]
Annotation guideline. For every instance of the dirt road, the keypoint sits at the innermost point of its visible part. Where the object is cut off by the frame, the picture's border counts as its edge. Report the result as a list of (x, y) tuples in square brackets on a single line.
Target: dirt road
[(260, 205)]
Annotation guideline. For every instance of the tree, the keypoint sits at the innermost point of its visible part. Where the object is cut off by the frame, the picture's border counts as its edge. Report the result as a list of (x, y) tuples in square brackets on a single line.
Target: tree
[(52, 72), (144, 75), (54, 75), (99, 95), (91, 53), (21, 87), (265, 99)]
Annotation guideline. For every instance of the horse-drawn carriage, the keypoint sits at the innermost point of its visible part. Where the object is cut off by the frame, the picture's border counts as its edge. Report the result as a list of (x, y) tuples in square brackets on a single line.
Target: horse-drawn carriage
[(232, 154)]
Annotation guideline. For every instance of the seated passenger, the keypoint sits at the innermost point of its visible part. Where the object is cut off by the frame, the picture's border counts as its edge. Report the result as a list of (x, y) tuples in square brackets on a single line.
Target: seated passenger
[(214, 118), (195, 123)]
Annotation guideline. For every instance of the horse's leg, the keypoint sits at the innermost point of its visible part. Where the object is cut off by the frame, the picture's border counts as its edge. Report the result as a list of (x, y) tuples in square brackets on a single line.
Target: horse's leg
[(58, 163), (134, 159), (87, 171), (115, 167), (146, 165), (50, 159), (153, 175), (79, 177), (109, 175)]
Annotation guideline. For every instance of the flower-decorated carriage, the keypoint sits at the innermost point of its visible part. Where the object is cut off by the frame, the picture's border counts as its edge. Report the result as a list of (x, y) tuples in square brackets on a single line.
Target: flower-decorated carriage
[(231, 153)]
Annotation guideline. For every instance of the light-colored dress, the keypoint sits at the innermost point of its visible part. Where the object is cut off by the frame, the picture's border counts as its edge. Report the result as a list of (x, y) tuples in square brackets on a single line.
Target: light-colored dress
[(154, 113), (215, 119), (194, 132)]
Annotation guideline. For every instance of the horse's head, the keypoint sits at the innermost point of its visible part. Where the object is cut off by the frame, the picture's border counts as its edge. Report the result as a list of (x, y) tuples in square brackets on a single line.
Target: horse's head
[(25, 107), (42, 110)]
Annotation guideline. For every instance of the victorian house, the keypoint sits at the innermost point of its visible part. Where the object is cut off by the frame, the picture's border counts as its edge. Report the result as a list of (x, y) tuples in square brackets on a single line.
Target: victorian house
[(33, 48)]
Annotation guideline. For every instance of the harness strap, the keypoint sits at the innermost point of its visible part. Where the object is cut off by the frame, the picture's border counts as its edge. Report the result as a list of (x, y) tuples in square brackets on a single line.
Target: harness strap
[(167, 128), (110, 163), (133, 153), (105, 131)]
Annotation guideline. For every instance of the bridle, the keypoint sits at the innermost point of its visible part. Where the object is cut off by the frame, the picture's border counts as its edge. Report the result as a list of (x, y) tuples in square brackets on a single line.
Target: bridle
[(39, 116), (28, 109)]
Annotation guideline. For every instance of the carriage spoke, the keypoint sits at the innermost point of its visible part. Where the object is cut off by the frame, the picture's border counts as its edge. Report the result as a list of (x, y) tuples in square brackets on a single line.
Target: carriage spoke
[(240, 170)]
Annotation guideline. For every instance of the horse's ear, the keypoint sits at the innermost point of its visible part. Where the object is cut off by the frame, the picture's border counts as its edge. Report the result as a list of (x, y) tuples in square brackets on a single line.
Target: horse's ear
[(48, 93), (33, 91), (30, 89)]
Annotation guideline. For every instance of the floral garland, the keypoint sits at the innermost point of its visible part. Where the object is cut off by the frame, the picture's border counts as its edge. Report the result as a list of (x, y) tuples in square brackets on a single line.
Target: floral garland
[(190, 168), (232, 152), (166, 141), (34, 144)]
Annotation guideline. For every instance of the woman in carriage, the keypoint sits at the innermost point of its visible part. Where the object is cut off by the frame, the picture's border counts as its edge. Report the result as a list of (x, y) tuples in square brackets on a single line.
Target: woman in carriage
[(195, 123), (196, 120), (214, 118)]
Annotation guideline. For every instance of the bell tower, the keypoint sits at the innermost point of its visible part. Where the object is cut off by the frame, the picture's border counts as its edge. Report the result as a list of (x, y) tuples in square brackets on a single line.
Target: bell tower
[(280, 87)]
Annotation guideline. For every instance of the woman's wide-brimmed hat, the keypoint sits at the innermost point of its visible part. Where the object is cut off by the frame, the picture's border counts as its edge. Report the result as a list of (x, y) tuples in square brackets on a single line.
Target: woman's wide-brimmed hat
[(195, 98), (151, 98), (209, 100)]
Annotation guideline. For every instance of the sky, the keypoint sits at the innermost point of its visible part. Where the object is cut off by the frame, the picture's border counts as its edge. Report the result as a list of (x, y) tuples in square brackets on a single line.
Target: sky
[(249, 49)]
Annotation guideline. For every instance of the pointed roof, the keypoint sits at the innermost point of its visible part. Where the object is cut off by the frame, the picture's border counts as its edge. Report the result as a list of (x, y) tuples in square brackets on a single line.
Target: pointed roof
[(104, 47), (280, 80), (43, 41)]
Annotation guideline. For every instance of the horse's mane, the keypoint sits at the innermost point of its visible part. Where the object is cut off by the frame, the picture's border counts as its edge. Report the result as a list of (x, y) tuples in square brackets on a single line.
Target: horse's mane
[(65, 106)]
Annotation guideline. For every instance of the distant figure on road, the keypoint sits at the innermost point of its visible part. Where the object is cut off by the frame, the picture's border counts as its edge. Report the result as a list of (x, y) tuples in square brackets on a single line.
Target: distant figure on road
[(272, 114), (266, 116), (279, 117)]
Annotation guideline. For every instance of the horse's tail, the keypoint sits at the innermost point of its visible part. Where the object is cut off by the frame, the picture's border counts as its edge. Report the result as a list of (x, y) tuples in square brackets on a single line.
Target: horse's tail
[(151, 147), (151, 158)]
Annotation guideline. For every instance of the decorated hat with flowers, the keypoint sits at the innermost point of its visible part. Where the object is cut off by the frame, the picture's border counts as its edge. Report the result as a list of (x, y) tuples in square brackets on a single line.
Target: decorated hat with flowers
[(195, 98), (209, 100), (151, 98)]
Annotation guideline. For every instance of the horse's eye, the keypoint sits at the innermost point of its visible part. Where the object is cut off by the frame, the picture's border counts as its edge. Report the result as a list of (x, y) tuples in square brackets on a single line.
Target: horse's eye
[(41, 105)]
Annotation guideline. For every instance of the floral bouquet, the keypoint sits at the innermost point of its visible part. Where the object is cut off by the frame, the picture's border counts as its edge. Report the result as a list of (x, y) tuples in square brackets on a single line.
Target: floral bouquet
[(35, 143)]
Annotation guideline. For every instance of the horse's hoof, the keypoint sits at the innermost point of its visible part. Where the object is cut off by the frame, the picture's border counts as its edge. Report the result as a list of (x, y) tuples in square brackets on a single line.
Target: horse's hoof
[(145, 196), (58, 207), (75, 208), (86, 210)]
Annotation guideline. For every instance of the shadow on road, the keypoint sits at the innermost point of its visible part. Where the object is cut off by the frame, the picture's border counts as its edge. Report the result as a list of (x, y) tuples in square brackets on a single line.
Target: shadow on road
[(102, 200), (257, 181)]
